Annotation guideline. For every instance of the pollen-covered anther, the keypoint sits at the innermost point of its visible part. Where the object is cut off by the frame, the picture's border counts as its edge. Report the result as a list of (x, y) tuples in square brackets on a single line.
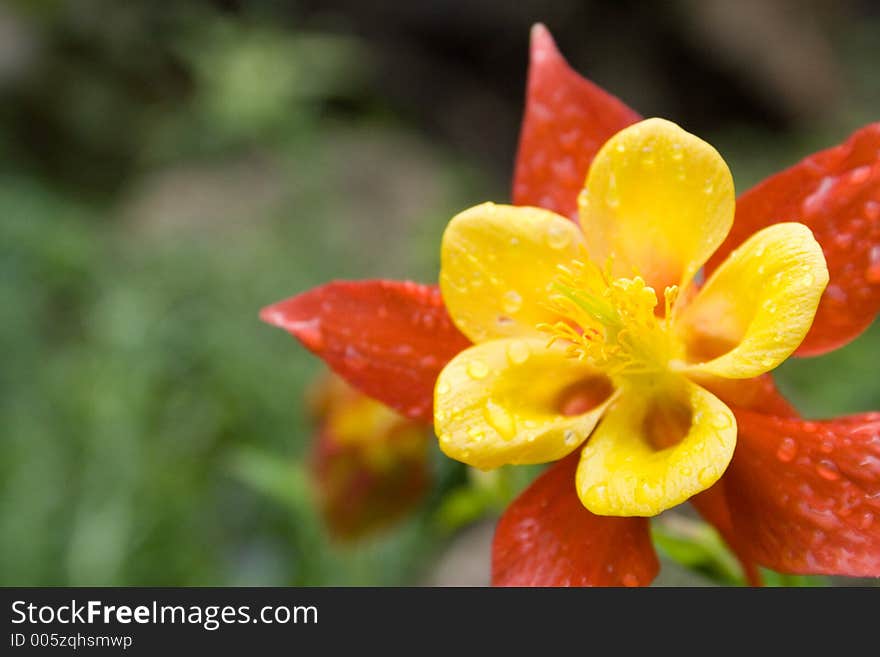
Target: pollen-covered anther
[(611, 323)]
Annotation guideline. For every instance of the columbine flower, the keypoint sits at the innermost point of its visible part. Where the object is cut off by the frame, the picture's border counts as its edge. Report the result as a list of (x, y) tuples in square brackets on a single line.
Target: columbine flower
[(673, 368), (370, 464)]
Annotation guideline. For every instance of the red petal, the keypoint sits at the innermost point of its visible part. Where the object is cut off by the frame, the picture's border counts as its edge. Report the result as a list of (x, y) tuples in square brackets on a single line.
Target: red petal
[(567, 120), (359, 497), (761, 395), (804, 497), (389, 339), (836, 192), (547, 538), (712, 505)]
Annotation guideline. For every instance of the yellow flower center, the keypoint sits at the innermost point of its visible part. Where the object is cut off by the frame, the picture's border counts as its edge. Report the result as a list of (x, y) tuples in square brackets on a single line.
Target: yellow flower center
[(613, 323)]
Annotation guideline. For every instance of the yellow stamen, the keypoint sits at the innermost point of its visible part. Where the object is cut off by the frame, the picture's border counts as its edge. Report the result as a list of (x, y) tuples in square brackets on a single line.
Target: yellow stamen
[(611, 322)]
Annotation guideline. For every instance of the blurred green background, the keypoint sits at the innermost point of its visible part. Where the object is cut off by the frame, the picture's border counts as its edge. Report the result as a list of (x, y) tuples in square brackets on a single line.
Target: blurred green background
[(165, 172)]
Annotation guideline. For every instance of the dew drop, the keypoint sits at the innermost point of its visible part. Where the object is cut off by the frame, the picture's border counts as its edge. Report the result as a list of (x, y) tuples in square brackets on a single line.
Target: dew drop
[(476, 434), (808, 280), (767, 362), (872, 210), (826, 447), (428, 361), (354, 359), (866, 520), (872, 273), (630, 580), (500, 419), (709, 187), (644, 493), (787, 450), (511, 302), (815, 202), (677, 153), (310, 333), (599, 493), (518, 352), (827, 470), (620, 147), (477, 369), (859, 174), (612, 200), (707, 476), (443, 388), (558, 237), (570, 437)]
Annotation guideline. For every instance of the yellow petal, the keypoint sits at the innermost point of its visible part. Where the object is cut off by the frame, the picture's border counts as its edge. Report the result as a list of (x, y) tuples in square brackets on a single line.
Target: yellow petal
[(658, 201), (503, 402), (497, 262), (758, 305), (625, 472)]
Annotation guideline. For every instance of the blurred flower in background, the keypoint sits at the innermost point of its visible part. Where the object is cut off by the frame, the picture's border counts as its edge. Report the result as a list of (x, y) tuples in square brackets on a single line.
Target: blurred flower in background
[(370, 464)]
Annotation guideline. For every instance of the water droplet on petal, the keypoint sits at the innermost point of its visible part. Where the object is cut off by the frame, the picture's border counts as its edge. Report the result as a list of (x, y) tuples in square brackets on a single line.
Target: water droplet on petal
[(354, 359), (443, 388), (518, 352), (558, 237), (476, 434), (630, 580), (872, 273), (859, 174), (511, 302), (787, 450), (477, 369), (808, 280), (707, 476), (827, 470), (872, 210), (500, 419), (311, 334), (570, 437)]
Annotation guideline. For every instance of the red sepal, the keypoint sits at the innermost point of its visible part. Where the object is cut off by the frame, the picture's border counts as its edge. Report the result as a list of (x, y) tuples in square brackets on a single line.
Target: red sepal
[(836, 193), (547, 538), (389, 339), (567, 120), (804, 497)]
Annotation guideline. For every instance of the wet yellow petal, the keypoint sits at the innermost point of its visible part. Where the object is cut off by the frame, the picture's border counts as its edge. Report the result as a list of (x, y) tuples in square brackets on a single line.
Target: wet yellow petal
[(505, 401), (497, 262), (657, 201), (758, 305), (625, 472)]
